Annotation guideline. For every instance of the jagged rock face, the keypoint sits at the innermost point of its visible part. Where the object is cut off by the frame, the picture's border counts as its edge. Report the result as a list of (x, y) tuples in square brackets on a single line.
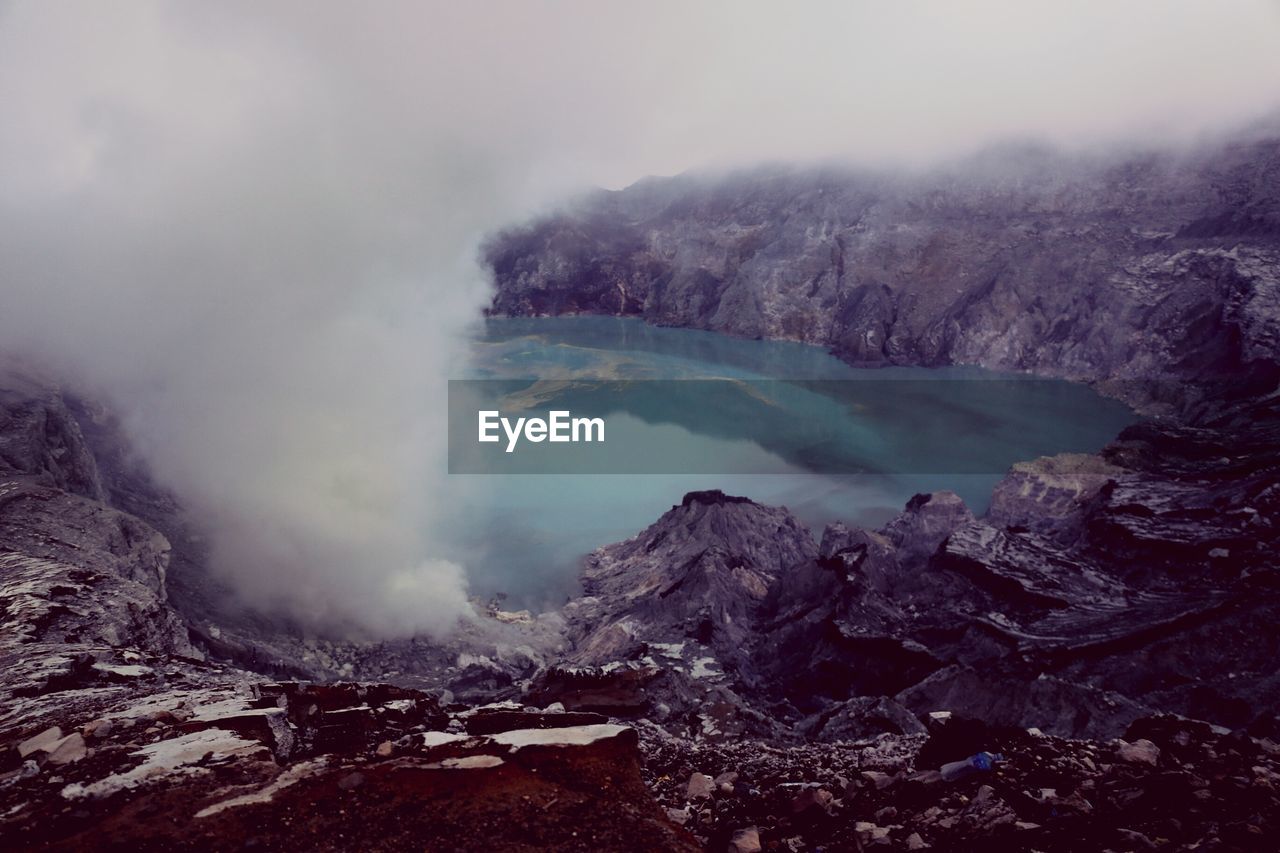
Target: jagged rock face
[(696, 576), (1025, 572), (40, 440), (927, 521), (1148, 267), (1051, 496), (991, 693), (864, 717), (80, 613), (841, 625), (666, 625), (82, 585), (1096, 589), (54, 525)]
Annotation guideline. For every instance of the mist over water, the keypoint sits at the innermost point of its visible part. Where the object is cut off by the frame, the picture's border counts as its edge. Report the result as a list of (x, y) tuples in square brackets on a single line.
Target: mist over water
[(253, 227)]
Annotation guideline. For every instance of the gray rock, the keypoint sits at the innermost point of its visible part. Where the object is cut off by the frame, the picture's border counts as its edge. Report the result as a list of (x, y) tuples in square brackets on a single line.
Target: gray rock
[(69, 749), (1141, 751), (75, 574), (42, 742), (813, 798), (745, 841), (871, 835), (697, 574), (700, 787), (1051, 496), (865, 716), (878, 780), (927, 521), (99, 728)]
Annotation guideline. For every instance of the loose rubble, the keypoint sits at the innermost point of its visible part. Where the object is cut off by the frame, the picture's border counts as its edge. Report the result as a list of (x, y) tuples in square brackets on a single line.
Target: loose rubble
[(216, 766), (1208, 790)]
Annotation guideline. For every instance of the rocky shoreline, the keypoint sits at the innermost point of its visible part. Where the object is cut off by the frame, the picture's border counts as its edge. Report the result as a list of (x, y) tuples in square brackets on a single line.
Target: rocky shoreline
[(1151, 275)]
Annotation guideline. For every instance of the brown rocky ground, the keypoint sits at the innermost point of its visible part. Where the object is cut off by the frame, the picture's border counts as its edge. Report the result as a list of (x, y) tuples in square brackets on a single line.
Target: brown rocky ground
[(1174, 784), (329, 767)]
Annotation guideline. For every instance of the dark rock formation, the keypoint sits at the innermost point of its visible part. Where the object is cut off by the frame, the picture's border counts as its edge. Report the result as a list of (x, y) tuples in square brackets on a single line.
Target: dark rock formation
[(1097, 589), (40, 439), (82, 585), (687, 587), (1146, 267)]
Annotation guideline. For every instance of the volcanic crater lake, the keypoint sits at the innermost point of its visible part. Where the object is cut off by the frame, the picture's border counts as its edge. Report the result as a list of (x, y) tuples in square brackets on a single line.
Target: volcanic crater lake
[(780, 422)]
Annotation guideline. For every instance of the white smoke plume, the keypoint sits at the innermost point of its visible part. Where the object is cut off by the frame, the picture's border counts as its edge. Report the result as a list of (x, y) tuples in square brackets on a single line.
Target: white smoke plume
[(254, 225)]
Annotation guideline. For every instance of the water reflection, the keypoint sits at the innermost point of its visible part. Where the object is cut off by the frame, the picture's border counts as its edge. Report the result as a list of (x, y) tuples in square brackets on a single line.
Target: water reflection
[(783, 431)]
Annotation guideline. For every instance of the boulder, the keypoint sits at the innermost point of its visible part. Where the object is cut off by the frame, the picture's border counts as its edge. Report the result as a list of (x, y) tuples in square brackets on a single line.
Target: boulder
[(1141, 751), (745, 841), (700, 787)]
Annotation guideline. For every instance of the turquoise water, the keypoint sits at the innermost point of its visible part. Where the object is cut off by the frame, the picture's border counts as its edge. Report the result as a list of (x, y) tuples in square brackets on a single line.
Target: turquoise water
[(919, 429)]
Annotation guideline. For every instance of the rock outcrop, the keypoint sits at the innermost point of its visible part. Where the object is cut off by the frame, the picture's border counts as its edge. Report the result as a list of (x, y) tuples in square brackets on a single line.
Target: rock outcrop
[(41, 440), (1098, 589), (1147, 267), (83, 601), (694, 578)]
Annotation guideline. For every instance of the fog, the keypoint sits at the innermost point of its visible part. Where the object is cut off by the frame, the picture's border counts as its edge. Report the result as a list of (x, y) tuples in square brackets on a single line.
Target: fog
[(253, 227)]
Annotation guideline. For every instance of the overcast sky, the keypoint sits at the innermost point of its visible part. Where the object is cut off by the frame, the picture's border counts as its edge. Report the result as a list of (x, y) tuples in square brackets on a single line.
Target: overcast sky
[(253, 224)]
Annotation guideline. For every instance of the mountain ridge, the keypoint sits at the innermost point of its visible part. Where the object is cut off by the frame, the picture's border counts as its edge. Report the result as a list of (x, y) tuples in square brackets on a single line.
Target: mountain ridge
[(1144, 269)]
